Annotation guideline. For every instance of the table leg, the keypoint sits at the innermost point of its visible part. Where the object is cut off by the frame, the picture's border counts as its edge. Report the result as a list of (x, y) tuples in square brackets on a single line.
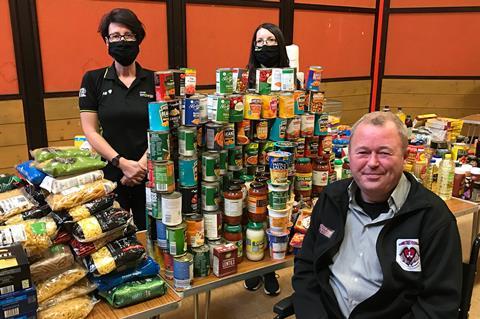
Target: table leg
[(195, 306), (207, 303)]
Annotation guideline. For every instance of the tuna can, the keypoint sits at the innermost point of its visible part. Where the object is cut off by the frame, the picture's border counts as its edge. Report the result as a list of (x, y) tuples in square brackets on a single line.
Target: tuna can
[(187, 141), (311, 146), (174, 114), (201, 261), (214, 136), (235, 157), (223, 162), (190, 111), (251, 154), (299, 102), (187, 167), (288, 79), (307, 125), (285, 106), (252, 108), (269, 106), (242, 132), (158, 145), (189, 200), (220, 112), (210, 166), (164, 85), (158, 116), (172, 209), (177, 241), (168, 261), (316, 101), (314, 78), (213, 224), (210, 196), (276, 80), (224, 81), (195, 230), (260, 131), (156, 199), (300, 151), (263, 84), (183, 272), (236, 108), (211, 246), (229, 135), (321, 124), (293, 127), (161, 229), (278, 129), (164, 176)]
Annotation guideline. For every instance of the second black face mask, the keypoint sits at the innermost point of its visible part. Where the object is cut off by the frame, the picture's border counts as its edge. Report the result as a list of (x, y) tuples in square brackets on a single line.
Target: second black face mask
[(268, 56), (124, 52)]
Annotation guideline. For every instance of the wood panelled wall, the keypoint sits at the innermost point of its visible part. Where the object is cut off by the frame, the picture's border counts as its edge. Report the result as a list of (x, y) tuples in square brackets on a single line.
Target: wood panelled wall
[(13, 141), (63, 120)]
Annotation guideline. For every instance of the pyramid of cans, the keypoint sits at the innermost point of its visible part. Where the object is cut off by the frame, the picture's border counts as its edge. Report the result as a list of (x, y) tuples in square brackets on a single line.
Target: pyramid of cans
[(222, 168)]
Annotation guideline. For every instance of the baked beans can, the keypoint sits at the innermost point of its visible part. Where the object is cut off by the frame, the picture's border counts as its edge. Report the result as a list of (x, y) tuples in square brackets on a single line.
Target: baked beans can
[(263, 150), (263, 84), (321, 124), (210, 196), (172, 209), (300, 151), (164, 176), (242, 132), (213, 224), (288, 79), (190, 200), (164, 85), (236, 108), (168, 262), (285, 106), (158, 116), (326, 142), (210, 166), (187, 140), (269, 106), (299, 102), (307, 124), (260, 129), (183, 272), (214, 136), (158, 145), (187, 166), (252, 108), (223, 162), (177, 240), (229, 135), (174, 114), (195, 230), (224, 81), (311, 146), (161, 234), (314, 77), (190, 111), (316, 101), (278, 129), (293, 127), (235, 157), (201, 261), (276, 82), (251, 154)]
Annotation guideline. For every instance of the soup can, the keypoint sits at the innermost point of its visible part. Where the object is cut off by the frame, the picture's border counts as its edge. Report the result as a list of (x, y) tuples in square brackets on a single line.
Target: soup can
[(213, 224), (214, 136), (224, 81), (210, 166), (236, 108), (286, 106), (172, 209), (190, 200), (235, 157), (314, 78), (251, 154), (299, 102), (242, 131), (263, 150), (293, 127), (158, 116), (158, 145), (164, 85), (190, 109), (183, 272), (201, 261), (279, 164), (187, 167), (307, 124), (263, 84), (269, 106), (278, 129), (311, 146), (260, 129), (174, 114), (164, 176), (223, 162), (195, 230), (187, 141), (321, 124), (210, 196), (177, 241), (276, 80), (252, 108), (300, 149)]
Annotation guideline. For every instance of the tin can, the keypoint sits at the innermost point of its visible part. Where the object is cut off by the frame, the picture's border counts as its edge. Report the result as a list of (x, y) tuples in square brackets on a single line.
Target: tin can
[(235, 157), (314, 78), (161, 234), (307, 124), (229, 135), (252, 108), (316, 101), (213, 224), (202, 107), (251, 154), (210, 196), (326, 142), (276, 82), (321, 124), (263, 80), (177, 241), (293, 127), (188, 170), (288, 79), (148, 199), (300, 151), (189, 200), (236, 108), (150, 173), (187, 141), (201, 261), (286, 108), (150, 226), (269, 106), (278, 163), (168, 261), (263, 151), (172, 208), (223, 162), (224, 81), (190, 111), (240, 80), (164, 85), (214, 136), (195, 230), (174, 114), (210, 166), (190, 80), (158, 145), (242, 132), (278, 129), (311, 146), (179, 82), (286, 146), (164, 176), (299, 102), (220, 111), (183, 272), (156, 199), (260, 131), (158, 116)]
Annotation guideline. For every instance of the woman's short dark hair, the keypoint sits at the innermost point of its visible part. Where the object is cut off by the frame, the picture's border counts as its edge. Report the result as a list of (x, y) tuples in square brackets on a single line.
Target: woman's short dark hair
[(254, 64), (123, 16)]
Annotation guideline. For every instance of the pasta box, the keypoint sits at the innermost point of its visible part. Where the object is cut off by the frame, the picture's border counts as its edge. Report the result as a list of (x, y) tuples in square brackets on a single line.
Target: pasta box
[(14, 270), (18, 303), (225, 260)]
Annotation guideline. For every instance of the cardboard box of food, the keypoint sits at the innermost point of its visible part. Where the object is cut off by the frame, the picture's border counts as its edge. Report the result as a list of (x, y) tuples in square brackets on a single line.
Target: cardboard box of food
[(14, 270), (18, 303)]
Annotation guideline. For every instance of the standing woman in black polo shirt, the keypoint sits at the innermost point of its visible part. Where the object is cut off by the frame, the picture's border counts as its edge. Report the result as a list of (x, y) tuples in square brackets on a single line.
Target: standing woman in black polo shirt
[(114, 101)]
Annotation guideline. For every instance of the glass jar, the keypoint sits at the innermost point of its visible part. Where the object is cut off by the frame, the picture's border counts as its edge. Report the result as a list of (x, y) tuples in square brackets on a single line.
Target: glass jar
[(257, 201), (233, 204), (320, 174), (233, 235), (255, 241), (346, 172), (303, 178)]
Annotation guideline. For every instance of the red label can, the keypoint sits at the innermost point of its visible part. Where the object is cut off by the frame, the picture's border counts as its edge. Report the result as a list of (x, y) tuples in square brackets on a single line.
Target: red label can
[(311, 146), (164, 85)]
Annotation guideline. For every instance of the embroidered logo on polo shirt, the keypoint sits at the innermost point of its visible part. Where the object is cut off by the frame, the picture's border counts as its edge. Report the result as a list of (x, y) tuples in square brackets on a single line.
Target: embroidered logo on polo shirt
[(408, 254), (145, 94), (325, 231), (107, 92), (82, 92)]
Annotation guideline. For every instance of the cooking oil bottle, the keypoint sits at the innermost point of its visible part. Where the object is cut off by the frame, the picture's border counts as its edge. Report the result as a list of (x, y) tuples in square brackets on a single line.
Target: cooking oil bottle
[(446, 173), (428, 180), (402, 116)]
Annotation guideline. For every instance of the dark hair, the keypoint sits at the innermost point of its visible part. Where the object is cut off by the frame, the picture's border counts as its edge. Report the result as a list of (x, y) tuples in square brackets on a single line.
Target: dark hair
[(123, 16), (253, 63)]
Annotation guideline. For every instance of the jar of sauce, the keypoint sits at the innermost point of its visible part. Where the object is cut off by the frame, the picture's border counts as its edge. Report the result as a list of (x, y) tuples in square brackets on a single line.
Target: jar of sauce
[(255, 241), (233, 204), (233, 235), (257, 201), (321, 169), (303, 178), (458, 182)]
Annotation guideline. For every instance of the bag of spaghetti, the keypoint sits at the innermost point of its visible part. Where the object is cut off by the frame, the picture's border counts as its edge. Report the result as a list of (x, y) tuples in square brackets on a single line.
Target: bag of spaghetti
[(14, 202), (81, 288), (101, 224), (46, 153), (57, 185), (53, 285), (76, 308), (34, 213), (79, 195), (60, 166), (54, 260), (119, 255)]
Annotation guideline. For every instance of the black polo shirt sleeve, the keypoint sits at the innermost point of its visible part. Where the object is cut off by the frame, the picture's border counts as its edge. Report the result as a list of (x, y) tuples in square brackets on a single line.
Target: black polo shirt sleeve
[(88, 94)]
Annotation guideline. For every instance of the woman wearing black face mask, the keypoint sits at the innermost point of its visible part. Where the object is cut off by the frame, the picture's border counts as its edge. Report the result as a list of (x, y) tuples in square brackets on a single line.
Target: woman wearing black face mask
[(115, 98)]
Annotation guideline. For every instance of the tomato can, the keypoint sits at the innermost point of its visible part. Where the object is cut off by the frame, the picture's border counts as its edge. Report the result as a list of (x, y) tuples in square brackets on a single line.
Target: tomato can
[(189, 76), (235, 157), (314, 78), (158, 145), (174, 114), (242, 132), (278, 129), (263, 84), (224, 81), (223, 162), (260, 131), (210, 196), (177, 239), (187, 140), (252, 108), (251, 154), (187, 166), (210, 166), (213, 224), (286, 108), (172, 209), (229, 135), (164, 85), (164, 176), (183, 272), (201, 261), (214, 136), (288, 79), (269, 106), (236, 108), (299, 102), (158, 116), (293, 127), (307, 124), (190, 200), (190, 111), (311, 146), (195, 230)]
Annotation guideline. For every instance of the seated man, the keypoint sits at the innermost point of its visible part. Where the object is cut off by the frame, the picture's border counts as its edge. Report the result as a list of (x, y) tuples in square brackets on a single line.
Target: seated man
[(380, 245)]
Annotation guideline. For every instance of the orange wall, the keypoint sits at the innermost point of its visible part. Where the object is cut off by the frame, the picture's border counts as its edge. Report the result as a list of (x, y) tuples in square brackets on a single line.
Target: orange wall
[(8, 71), (432, 3), (220, 36), (350, 3), (340, 42), (433, 44), (70, 44)]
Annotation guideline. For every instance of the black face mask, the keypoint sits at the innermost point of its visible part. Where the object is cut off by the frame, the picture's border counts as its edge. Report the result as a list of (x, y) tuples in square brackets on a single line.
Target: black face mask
[(124, 52), (268, 56)]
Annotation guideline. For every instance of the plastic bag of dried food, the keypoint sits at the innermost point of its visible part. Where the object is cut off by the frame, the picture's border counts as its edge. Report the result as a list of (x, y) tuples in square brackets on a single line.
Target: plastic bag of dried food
[(62, 237), (46, 153), (148, 268), (37, 193), (76, 308), (85, 210), (57, 283), (85, 249), (58, 185), (135, 291), (60, 166), (118, 255), (9, 182), (30, 173), (101, 224), (34, 213), (55, 260), (79, 195), (14, 202), (81, 288)]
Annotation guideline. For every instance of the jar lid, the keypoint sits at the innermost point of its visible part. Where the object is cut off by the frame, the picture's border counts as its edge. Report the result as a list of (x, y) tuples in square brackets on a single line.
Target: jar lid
[(234, 187), (338, 162), (256, 184), (475, 170), (459, 170), (233, 228), (255, 226), (246, 178), (467, 167), (237, 181), (345, 160), (303, 160)]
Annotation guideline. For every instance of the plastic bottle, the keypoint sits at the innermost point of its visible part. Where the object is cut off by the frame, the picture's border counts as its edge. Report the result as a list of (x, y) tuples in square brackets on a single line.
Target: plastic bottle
[(445, 177), (402, 116), (386, 108), (427, 182), (338, 165), (420, 165), (409, 124)]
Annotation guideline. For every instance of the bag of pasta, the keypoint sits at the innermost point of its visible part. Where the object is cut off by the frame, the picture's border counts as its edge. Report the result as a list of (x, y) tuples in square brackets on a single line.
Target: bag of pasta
[(76, 308), (101, 224), (55, 260), (118, 255), (58, 185), (46, 153), (79, 195), (30, 173), (34, 213), (81, 288), (57, 283), (14, 202), (60, 166)]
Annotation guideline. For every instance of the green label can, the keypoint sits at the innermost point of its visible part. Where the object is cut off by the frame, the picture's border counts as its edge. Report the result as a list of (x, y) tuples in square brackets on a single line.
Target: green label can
[(224, 81), (222, 112), (210, 196), (236, 108), (201, 261), (164, 176), (223, 162), (278, 195), (158, 145), (187, 167), (156, 199), (264, 80), (187, 140), (210, 166), (251, 154), (235, 157), (177, 240)]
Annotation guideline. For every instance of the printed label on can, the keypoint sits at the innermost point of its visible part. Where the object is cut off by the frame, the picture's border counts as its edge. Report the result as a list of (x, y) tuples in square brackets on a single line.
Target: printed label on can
[(164, 176), (210, 196), (213, 225), (224, 81), (187, 141), (172, 209), (190, 111), (188, 171), (233, 207), (229, 136)]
